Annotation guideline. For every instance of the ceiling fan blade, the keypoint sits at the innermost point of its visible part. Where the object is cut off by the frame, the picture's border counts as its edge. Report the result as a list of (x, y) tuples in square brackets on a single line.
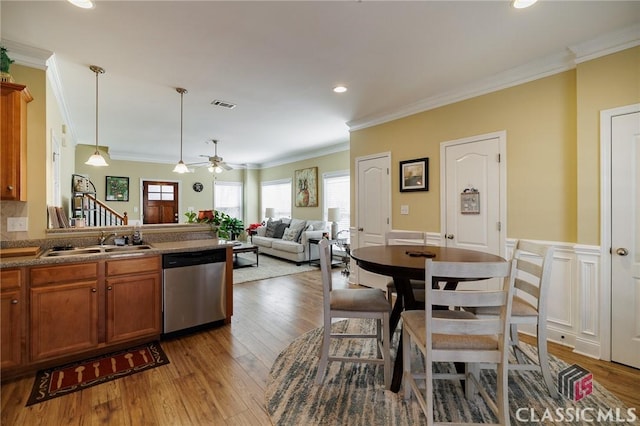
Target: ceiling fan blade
[(225, 166)]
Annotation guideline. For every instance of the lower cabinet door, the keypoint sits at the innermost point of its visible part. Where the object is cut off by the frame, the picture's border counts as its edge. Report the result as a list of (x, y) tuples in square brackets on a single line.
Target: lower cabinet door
[(133, 307), (63, 319)]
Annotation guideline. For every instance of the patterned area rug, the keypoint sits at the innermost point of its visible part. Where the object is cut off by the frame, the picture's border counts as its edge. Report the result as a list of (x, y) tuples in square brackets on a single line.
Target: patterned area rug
[(269, 267), (354, 394), (63, 380)]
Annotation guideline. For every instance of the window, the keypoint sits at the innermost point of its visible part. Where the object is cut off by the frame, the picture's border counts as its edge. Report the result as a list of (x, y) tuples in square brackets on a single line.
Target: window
[(337, 194), (277, 194), (227, 198)]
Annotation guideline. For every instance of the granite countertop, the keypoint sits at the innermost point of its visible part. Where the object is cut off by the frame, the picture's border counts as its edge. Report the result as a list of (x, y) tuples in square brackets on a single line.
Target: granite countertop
[(155, 248)]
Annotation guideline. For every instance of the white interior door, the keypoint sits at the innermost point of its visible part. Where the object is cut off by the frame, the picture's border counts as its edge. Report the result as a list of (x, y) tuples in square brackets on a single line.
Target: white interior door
[(473, 199), (373, 210), (625, 238)]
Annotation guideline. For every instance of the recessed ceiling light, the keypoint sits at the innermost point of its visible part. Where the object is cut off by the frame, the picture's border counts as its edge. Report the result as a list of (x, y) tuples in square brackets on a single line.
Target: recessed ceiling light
[(85, 4), (521, 4), (340, 89)]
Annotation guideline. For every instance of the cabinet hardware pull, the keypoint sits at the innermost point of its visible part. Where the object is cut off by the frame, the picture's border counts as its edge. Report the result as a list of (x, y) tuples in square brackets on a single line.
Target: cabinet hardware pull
[(14, 301), (109, 288), (93, 290)]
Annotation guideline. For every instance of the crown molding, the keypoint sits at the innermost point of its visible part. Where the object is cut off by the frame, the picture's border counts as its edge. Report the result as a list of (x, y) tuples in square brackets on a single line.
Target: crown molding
[(607, 44), (326, 150), (550, 65), (26, 55)]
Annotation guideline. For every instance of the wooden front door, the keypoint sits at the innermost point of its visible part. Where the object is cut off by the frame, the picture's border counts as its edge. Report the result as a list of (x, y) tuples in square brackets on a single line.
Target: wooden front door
[(160, 202)]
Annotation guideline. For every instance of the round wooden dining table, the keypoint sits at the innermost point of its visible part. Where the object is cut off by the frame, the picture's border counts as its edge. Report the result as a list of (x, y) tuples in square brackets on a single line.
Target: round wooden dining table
[(404, 263)]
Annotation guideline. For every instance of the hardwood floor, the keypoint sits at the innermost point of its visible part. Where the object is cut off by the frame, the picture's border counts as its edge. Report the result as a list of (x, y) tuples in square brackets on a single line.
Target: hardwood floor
[(218, 377)]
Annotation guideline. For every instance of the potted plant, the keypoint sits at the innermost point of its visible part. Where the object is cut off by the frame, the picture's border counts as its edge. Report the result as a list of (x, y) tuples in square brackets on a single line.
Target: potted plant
[(232, 226)]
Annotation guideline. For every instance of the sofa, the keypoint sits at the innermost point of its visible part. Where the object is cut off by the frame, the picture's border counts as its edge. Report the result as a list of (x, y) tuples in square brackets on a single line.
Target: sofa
[(289, 238)]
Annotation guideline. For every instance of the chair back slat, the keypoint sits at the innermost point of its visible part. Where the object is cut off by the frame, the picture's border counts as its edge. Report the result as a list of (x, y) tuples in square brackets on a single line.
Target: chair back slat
[(533, 265), (462, 327), (529, 267), (527, 287), (468, 298)]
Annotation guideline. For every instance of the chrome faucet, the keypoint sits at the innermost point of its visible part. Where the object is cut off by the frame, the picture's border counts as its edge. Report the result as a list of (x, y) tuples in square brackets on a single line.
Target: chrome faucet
[(104, 237)]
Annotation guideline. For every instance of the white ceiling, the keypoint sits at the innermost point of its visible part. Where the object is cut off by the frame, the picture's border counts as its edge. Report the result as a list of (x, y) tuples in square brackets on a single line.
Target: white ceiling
[(278, 61)]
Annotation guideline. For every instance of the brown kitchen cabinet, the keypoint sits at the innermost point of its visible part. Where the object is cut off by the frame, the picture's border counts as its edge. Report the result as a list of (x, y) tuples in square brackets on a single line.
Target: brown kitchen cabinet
[(64, 309), (134, 299), (13, 150), (12, 317), (79, 307)]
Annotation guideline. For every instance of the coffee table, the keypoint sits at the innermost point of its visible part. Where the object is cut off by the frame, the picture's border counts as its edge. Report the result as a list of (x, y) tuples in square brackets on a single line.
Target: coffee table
[(239, 262)]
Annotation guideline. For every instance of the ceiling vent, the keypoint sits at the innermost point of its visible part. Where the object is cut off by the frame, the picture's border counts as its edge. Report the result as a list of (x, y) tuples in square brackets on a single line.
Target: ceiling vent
[(223, 104)]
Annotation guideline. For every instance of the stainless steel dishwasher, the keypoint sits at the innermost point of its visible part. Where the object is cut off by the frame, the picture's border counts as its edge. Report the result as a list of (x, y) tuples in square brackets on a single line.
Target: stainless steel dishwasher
[(194, 289)]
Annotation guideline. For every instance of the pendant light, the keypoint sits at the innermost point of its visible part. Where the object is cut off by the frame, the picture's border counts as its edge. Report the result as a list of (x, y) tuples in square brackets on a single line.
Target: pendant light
[(96, 159), (181, 167)]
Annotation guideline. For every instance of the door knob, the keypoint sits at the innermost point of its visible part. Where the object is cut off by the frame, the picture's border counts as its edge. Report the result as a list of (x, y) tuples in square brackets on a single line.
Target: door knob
[(622, 251), (449, 236), (360, 229)]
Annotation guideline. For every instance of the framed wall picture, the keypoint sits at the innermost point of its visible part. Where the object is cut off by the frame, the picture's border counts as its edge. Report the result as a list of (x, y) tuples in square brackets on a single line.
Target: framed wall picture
[(414, 175), (117, 188), (306, 187)]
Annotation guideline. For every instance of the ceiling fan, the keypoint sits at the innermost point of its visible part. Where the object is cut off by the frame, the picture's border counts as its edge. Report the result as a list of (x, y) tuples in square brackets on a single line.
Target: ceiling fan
[(215, 163)]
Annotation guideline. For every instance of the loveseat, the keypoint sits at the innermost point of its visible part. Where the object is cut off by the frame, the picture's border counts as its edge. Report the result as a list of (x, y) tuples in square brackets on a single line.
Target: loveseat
[(289, 238)]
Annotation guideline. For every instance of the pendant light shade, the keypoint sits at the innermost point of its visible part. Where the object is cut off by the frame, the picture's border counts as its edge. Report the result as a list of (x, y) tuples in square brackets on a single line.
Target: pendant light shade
[(96, 159), (181, 167)]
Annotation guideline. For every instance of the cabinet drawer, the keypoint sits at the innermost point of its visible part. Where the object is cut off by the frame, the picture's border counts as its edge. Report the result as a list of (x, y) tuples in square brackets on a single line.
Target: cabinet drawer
[(133, 266), (10, 279), (63, 273)]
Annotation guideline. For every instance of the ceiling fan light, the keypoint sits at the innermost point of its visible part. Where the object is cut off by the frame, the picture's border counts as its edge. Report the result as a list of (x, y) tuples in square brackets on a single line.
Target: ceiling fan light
[(181, 167), (217, 169), (96, 160)]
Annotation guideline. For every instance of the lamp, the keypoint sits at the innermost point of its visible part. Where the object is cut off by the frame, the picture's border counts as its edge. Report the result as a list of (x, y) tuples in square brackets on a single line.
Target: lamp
[(181, 167), (269, 212), (333, 216), (96, 159)]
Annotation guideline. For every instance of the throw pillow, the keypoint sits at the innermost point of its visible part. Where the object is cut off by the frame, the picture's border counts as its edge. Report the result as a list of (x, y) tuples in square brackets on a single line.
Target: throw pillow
[(289, 234), (271, 227), (280, 230), (298, 226)]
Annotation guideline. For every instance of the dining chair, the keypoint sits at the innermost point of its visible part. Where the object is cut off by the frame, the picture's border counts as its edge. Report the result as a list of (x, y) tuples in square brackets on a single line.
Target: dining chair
[(533, 266), (411, 238), (353, 303), (459, 336)]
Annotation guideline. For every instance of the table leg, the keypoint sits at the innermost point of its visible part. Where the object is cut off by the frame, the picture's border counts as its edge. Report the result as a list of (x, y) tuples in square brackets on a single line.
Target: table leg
[(404, 300)]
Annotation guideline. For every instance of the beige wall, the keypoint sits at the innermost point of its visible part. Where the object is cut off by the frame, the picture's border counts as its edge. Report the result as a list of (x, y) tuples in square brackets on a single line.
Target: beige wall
[(542, 125), (327, 163), (604, 83), (35, 208)]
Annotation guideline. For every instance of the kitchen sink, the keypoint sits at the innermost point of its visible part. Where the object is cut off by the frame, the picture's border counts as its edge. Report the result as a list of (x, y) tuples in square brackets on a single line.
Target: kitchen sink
[(72, 252), (93, 250)]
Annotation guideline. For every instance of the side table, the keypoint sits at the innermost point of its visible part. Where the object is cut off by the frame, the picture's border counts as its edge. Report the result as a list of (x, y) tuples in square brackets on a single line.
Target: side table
[(316, 262)]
